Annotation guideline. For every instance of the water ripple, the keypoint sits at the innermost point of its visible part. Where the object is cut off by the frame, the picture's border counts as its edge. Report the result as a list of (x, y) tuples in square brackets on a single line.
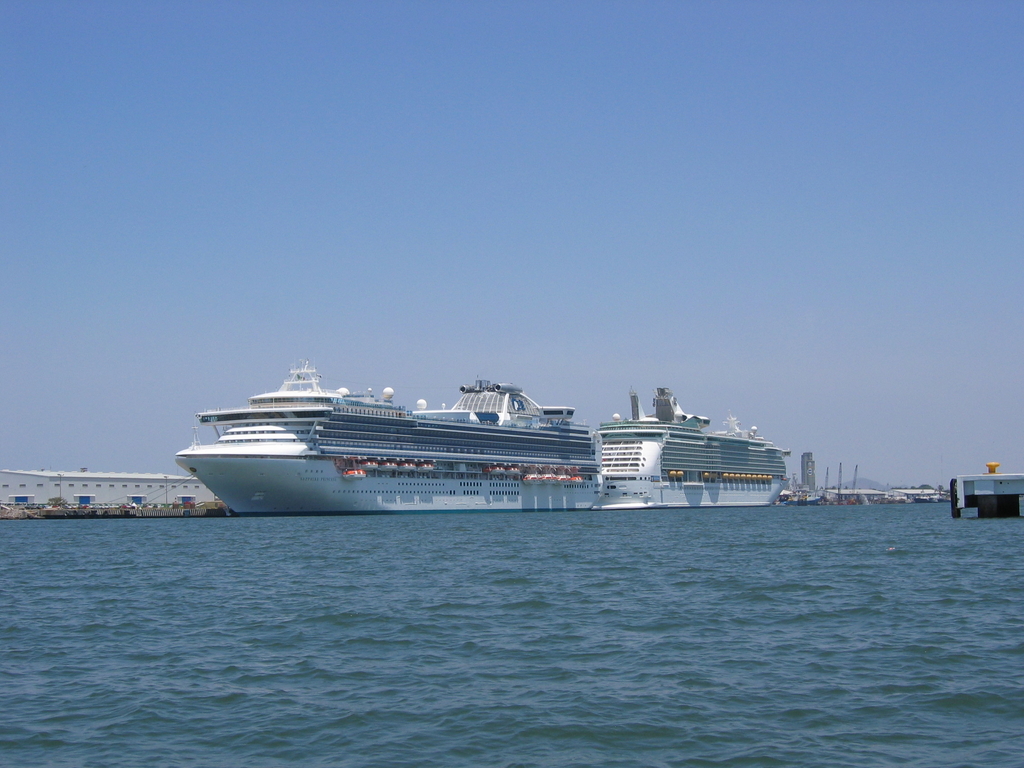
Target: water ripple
[(839, 637)]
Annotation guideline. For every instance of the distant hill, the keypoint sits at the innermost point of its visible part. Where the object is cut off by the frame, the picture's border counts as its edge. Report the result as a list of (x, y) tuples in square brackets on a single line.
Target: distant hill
[(865, 482)]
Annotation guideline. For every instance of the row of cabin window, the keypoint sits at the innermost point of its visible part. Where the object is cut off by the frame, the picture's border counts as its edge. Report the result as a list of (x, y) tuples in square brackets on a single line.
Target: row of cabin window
[(406, 428), (456, 446), (418, 438)]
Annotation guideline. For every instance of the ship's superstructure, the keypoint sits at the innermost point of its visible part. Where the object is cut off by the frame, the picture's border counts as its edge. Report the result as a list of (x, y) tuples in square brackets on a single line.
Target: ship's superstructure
[(304, 449), (668, 460)]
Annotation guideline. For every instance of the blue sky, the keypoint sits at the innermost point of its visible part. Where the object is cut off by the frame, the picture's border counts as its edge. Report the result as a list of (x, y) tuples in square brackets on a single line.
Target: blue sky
[(807, 213)]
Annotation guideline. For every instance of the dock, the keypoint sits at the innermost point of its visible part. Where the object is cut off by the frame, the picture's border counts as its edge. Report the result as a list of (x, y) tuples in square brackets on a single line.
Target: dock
[(112, 513), (993, 494)]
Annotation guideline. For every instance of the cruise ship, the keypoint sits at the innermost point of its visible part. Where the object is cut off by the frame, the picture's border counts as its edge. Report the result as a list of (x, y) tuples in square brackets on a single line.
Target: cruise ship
[(668, 460), (307, 450)]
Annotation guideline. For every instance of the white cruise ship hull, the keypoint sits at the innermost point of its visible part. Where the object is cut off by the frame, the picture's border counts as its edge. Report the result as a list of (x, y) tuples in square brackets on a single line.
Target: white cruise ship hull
[(647, 495), (311, 485)]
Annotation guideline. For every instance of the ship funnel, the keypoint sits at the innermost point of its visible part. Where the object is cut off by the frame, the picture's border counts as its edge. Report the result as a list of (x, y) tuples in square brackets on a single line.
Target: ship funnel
[(666, 407), (663, 409)]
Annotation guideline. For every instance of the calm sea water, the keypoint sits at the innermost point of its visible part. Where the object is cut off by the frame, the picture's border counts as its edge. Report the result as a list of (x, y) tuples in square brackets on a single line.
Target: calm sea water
[(865, 636)]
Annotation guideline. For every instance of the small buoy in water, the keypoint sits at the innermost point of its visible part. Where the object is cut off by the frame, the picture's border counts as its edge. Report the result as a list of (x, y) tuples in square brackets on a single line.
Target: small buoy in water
[(891, 549)]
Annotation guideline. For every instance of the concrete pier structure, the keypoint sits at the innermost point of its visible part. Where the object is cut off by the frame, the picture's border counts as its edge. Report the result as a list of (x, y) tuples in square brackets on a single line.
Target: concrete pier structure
[(993, 494)]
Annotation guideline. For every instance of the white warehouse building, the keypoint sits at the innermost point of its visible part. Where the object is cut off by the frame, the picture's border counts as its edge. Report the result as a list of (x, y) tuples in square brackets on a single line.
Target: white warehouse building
[(83, 488)]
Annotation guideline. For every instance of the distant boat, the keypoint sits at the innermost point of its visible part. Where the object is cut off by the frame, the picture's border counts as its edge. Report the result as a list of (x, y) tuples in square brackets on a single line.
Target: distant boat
[(802, 501)]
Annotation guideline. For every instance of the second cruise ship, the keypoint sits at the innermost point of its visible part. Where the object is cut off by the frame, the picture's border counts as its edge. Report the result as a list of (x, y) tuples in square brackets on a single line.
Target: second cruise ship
[(667, 460), (305, 450)]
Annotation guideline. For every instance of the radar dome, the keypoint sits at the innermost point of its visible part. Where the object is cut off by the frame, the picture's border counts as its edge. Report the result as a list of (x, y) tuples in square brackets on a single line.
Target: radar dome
[(421, 404), (388, 393), (344, 392), (616, 417)]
